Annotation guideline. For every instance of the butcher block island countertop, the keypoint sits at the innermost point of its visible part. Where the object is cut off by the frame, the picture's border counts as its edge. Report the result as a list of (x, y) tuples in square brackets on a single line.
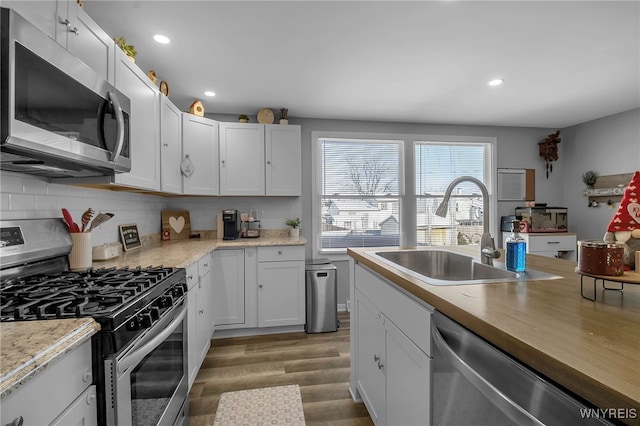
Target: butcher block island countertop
[(591, 348)]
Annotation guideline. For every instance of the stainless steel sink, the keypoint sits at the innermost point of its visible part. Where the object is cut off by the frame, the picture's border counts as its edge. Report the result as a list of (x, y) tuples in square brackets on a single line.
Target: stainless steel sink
[(443, 267)]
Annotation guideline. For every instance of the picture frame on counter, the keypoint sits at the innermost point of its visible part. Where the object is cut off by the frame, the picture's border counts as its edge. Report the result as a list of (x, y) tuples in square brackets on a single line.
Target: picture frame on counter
[(130, 236)]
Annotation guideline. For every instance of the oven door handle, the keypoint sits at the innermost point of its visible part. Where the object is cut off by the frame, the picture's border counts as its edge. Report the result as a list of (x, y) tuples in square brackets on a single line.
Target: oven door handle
[(138, 355), (499, 399)]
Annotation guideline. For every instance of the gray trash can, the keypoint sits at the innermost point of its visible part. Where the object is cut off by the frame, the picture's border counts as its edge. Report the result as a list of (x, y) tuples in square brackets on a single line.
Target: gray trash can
[(321, 296)]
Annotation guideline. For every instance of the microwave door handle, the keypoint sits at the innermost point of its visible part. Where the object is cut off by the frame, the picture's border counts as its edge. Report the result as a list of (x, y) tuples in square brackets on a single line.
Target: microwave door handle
[(138, 355), (499, 399), (120, 119)]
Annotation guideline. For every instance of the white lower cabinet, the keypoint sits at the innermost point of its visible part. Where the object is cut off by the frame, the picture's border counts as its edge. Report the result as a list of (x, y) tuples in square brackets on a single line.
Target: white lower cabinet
[(199, 314), (229, 287), (72, 401), (559, 245), (281, 286), (390, 348)]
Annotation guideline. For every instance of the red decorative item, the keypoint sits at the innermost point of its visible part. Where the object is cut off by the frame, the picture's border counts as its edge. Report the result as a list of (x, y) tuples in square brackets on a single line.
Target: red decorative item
[(627, 218), (166, 235)]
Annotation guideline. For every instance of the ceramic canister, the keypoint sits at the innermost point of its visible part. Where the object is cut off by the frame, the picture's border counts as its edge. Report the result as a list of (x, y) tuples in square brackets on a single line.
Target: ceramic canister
[(600, 257)]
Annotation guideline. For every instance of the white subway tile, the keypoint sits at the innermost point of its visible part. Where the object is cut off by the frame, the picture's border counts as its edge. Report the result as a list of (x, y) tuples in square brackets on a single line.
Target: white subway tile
[(10, 183), (34, 186), (22, 202)]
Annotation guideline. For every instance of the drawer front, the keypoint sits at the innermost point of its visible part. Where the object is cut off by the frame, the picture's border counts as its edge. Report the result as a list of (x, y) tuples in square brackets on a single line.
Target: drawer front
[(204, 264), (280, 253), (192, 275), (407, 314), (551, 242)]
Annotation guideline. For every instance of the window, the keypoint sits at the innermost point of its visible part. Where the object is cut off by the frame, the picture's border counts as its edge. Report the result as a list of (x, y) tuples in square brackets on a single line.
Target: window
[(375, 190), (436, 165), (360, 193)]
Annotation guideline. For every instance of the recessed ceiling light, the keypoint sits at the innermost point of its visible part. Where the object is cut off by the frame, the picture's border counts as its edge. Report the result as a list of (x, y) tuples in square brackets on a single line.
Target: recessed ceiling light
[(209, 93), (496, 82), (162, 39)]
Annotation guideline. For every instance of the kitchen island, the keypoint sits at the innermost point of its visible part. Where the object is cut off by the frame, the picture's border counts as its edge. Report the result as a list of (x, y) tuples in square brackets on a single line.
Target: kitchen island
[(590, 348)]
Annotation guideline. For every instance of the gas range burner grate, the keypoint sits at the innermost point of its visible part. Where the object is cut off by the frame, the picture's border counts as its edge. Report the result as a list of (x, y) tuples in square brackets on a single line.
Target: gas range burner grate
[(95, 292)]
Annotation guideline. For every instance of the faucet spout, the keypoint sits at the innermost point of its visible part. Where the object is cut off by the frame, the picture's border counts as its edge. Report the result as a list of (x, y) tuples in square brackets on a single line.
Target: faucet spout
[(488, 250)]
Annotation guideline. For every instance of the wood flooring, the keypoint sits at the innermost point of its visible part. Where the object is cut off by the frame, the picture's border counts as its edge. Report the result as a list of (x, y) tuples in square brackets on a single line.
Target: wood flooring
[(318, 363)]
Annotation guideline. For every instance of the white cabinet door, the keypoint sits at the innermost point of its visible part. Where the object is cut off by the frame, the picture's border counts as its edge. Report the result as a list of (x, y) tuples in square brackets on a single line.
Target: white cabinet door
[(241, 159), (144, 131), (200, 149), (171, 146), (228, 287), (87, 41), (408, 380), (283, 154), (42, 14), (192, 322), (281, 293), (371, 358)]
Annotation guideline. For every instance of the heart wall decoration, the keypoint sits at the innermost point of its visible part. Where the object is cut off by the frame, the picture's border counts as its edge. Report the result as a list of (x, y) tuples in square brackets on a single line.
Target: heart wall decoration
[(177, 223)]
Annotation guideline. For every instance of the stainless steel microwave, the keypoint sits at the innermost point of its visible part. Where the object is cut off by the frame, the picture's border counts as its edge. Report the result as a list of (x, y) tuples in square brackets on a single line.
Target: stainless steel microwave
[(58, 117)]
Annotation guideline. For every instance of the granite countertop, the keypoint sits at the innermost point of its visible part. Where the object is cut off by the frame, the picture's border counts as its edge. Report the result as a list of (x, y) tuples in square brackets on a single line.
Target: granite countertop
[(591, 348), (182, 253), (29, 347)]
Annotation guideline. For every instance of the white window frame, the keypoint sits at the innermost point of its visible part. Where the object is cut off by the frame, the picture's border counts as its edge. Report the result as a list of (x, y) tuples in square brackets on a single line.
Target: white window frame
[(406, 181)]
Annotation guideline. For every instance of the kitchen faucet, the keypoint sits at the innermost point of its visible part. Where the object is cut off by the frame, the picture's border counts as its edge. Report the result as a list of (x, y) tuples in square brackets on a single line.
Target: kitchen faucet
[(488, 250)]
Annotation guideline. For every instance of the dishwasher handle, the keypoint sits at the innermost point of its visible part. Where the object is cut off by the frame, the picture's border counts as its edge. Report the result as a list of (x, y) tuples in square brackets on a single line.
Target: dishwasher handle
[(499, 399)]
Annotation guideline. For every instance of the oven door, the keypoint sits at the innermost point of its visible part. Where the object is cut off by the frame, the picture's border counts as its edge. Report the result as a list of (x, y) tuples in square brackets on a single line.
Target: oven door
[(148, 379)]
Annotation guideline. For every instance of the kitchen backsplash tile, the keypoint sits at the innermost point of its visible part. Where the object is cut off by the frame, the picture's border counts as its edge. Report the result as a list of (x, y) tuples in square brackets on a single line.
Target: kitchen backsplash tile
[(24, 196)]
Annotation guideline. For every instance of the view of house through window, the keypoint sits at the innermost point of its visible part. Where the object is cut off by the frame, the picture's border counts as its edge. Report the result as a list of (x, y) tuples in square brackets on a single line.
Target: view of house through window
[(362, 194), (437, 164)]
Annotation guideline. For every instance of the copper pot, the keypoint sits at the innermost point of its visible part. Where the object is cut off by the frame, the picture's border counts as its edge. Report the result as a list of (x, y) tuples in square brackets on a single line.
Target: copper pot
[(600, 257)]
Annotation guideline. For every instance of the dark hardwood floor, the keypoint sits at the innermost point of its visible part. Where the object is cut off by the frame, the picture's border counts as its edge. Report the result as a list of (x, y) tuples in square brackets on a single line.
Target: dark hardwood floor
[(319, 363)]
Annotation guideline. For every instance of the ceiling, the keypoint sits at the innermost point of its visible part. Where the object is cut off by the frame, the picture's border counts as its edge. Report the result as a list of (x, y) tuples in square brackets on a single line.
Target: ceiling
[(563, 63)]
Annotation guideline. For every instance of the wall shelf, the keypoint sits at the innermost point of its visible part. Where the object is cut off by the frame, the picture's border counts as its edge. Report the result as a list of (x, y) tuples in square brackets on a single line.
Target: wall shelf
[(608, 188)]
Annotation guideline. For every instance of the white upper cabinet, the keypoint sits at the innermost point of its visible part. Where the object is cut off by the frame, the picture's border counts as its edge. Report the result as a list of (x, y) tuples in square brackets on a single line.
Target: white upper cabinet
[(144, 125), (241, 159), (171, 147), (283, 154), (258, 159), (69, 25), (199, 155)]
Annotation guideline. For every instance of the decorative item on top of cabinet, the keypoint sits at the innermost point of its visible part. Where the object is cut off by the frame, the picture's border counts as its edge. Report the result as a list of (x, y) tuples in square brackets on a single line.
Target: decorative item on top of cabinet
[(265, 116), (549, 150), (243, 118), (164, 88), (128, 49), (177, 223), (196, 108), (152, 76), (284, 114)]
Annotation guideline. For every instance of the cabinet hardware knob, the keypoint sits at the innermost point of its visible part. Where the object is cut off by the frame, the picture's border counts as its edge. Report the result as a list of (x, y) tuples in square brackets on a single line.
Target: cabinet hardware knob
[(201, 311), (380, 366), (206, 265), (376, 358), (165, 144), (87, 376), (279, 251), (75, 31), (260, 286), (91, 398), (17, 421), (268, 162), (65, 22), (190, 277)]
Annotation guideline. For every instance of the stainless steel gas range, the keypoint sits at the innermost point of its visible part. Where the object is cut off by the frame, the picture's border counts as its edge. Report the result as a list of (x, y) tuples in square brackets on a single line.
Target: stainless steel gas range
[(140, 354)]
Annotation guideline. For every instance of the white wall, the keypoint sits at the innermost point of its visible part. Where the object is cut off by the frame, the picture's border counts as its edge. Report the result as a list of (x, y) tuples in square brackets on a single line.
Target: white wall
[(610, 146)]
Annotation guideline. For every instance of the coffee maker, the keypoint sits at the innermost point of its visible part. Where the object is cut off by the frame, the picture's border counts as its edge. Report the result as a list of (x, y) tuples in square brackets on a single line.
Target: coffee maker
[(231, 224)]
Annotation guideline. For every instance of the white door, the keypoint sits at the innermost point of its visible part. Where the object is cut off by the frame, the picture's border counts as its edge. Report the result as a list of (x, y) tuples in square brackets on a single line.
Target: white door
[(241, 159), (200, 150), (228, 287), (283, 152), (171, 146), (281, 293)]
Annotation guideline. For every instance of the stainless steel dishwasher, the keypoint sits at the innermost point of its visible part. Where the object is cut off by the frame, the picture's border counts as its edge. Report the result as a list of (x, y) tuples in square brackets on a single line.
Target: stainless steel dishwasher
[(473, 383)]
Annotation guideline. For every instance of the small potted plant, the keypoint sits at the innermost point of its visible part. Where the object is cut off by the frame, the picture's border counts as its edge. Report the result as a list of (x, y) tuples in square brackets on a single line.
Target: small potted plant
[(284, 113), (128, 49), (243, 118), (294, 224), (589, 178)]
